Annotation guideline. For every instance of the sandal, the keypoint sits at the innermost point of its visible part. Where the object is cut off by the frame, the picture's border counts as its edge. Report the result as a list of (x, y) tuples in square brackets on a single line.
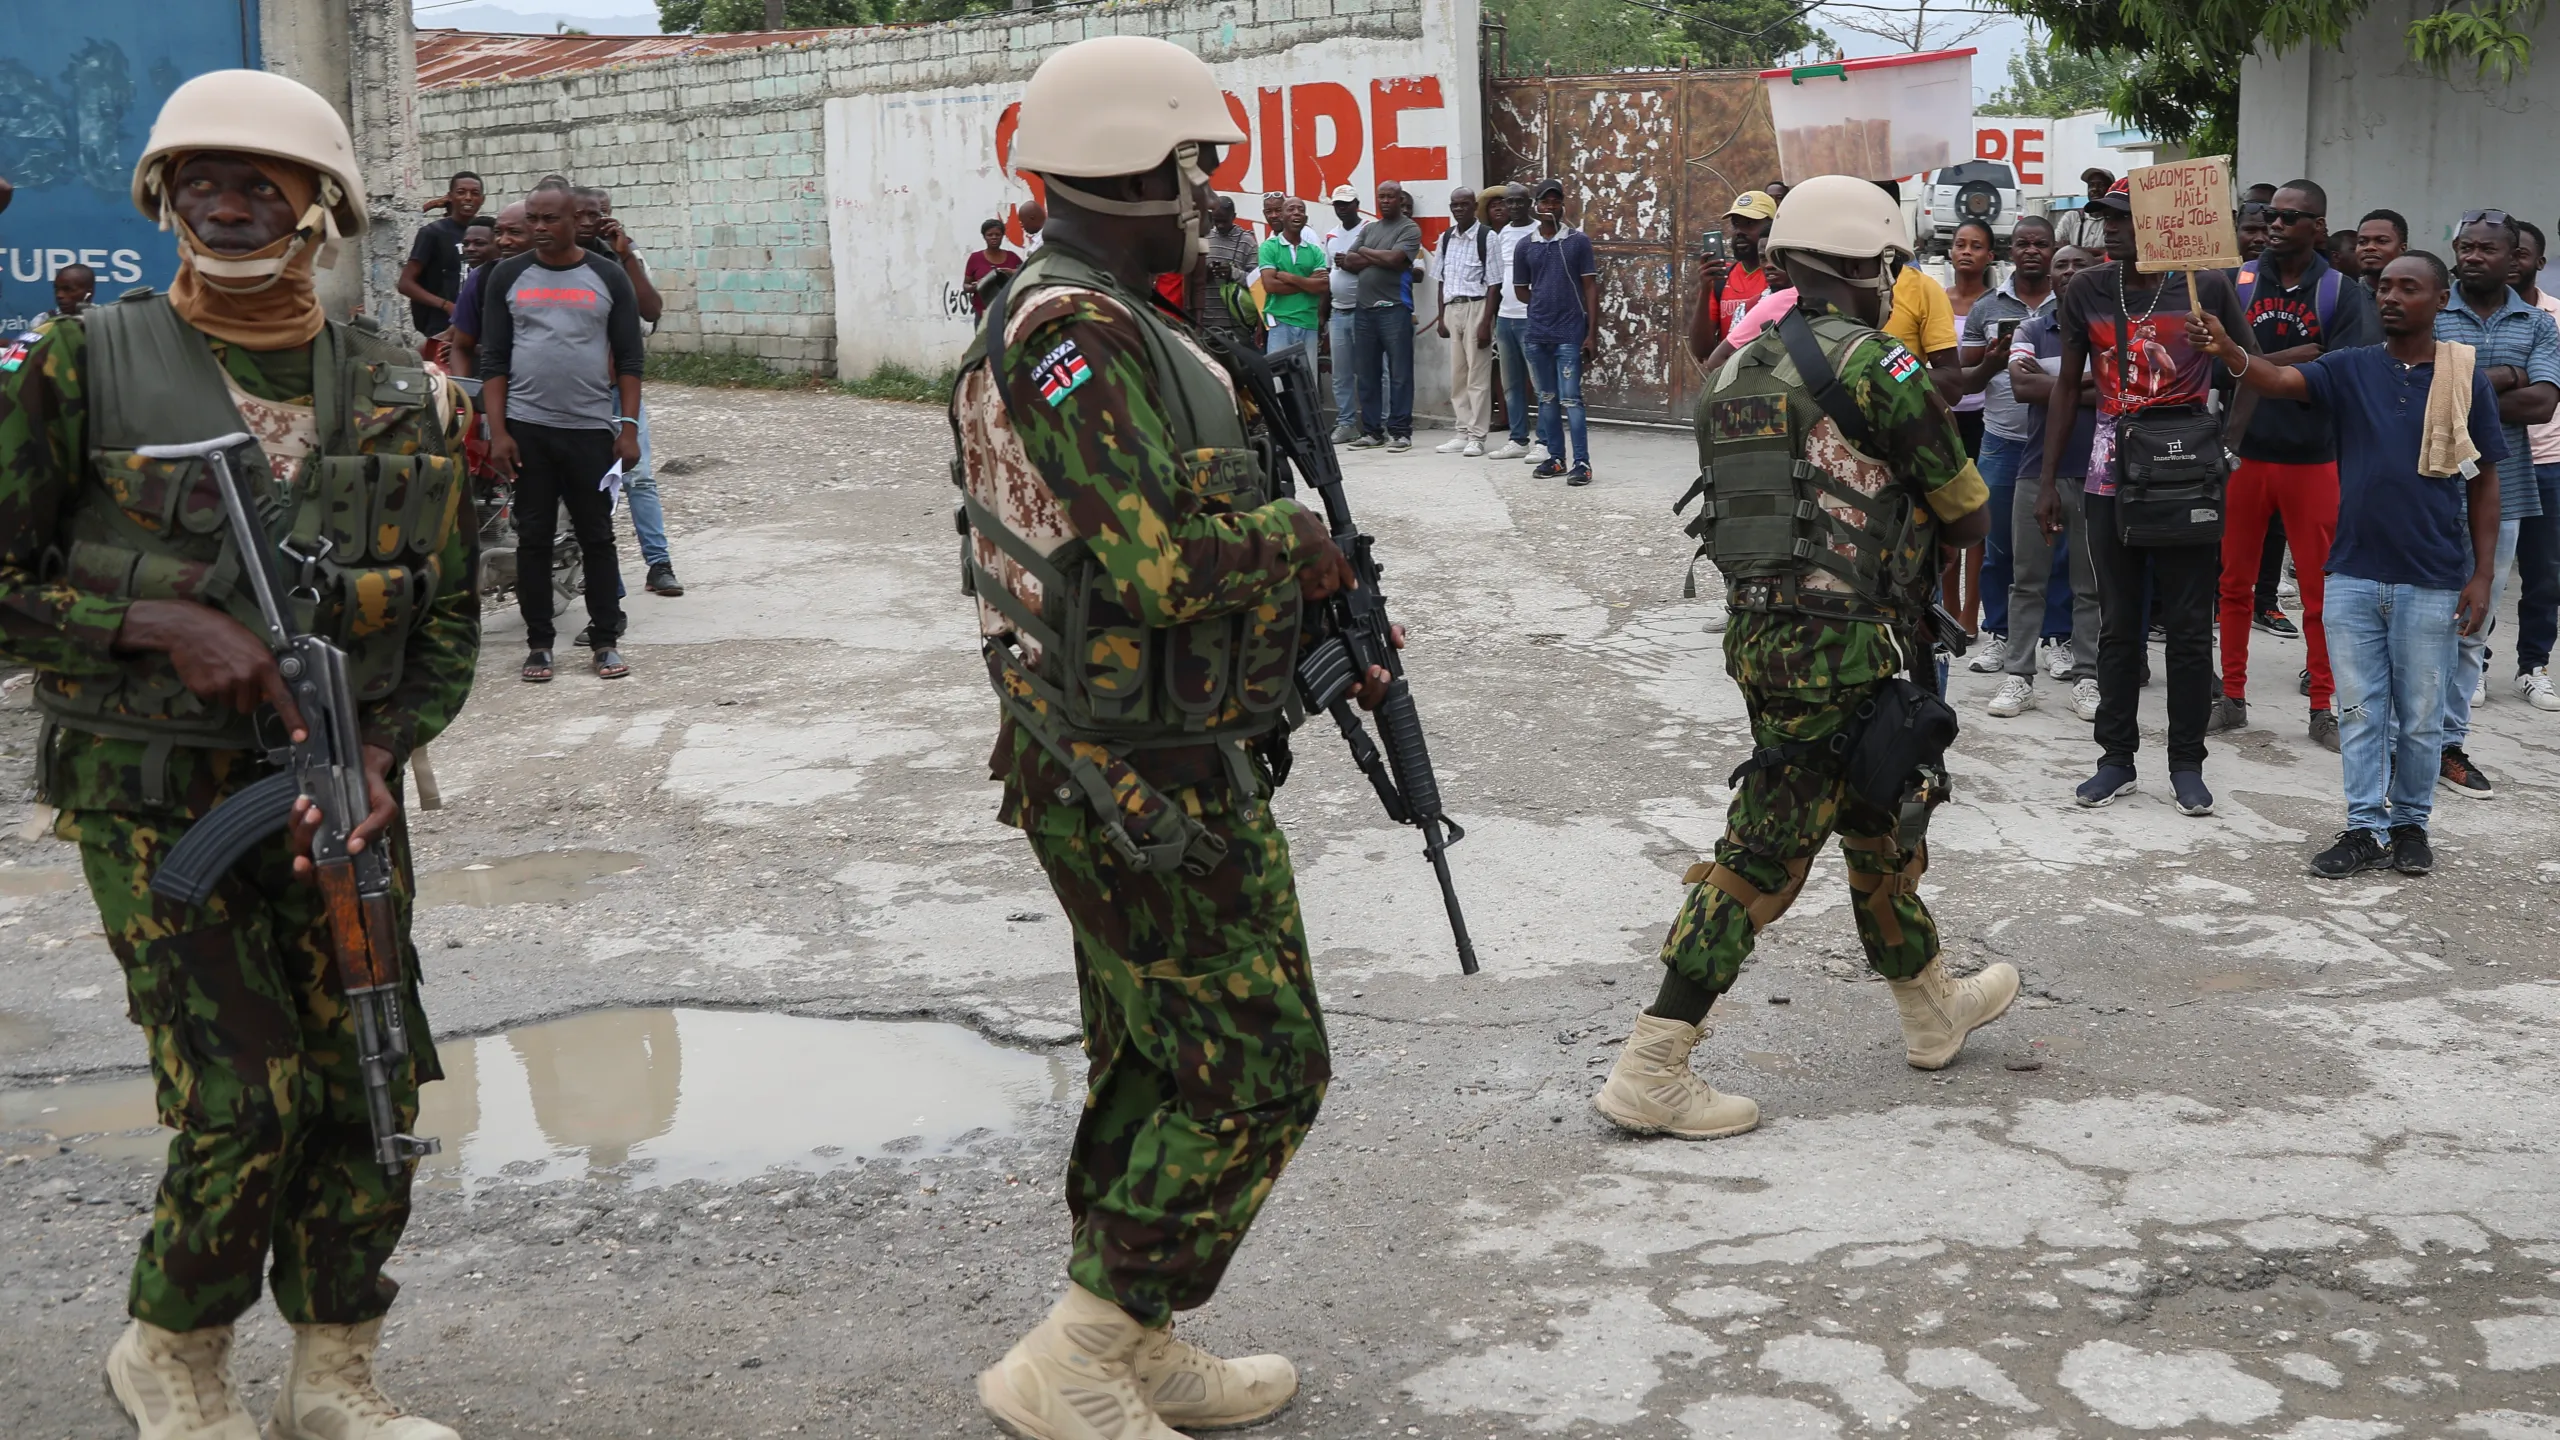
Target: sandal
[(609, 664), (537, 667)]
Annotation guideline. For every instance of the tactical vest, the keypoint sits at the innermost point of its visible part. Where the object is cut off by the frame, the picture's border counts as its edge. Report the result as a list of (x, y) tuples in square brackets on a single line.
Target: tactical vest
[(1773, 521), (1096, 683), (363, 530)]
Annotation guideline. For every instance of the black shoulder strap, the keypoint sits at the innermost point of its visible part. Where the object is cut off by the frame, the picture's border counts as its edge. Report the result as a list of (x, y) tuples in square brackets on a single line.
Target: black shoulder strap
[(1822, 381)]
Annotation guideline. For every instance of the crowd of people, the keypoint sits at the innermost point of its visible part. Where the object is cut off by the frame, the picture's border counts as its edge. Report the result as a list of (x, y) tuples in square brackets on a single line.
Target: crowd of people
[(2388, 432), (546, 304), (1514, 300)]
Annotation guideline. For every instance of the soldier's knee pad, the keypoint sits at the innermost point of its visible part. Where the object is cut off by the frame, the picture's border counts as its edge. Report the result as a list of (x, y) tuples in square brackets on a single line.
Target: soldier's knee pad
[(1761, 906)]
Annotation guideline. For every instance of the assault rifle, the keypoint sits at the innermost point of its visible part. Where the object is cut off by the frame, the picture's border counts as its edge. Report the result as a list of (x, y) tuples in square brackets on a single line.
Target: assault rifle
[(327, 767), (1351, 632)]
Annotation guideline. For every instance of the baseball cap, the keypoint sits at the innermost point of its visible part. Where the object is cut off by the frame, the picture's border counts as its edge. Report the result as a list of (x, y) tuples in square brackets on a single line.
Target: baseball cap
[(2119, 198), (1550, 187), (1342, 193), (1752, 205)]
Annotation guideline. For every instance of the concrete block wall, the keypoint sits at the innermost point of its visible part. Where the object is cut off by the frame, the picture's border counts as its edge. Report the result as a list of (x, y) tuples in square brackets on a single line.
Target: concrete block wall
[(716, 163)]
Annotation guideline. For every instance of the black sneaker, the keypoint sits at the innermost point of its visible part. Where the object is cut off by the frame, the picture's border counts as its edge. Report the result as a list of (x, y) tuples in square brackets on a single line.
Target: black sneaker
[(663, 581), (1548, 469), (2105, 787), (2356, 852), (2189, 789), (2228, 714), (587, 633), (2324, 730), (2410, 852), (2302, 681), (2276, 622), (1369, 442), (1579, 474), (2462, 777)]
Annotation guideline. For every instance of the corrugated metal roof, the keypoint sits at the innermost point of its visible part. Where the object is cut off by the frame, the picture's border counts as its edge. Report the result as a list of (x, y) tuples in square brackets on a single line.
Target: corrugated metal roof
[(461, 57)]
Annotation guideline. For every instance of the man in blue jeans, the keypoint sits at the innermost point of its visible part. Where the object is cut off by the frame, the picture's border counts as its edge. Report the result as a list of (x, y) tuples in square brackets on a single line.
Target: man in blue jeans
[(2008, 429), (1511, 326), (1556, 275), (1381, 261), (1343, 295), (2519, 353), (2537, 572), (2412, 560)]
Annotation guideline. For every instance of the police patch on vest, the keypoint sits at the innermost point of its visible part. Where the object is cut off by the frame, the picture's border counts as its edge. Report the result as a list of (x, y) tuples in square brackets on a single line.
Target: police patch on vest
[(1060, 372), (1749, 417), (1899, 363)]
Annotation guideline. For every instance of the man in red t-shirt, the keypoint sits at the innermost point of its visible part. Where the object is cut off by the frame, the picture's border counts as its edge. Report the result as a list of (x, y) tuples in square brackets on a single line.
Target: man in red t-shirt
[(1728, 288)]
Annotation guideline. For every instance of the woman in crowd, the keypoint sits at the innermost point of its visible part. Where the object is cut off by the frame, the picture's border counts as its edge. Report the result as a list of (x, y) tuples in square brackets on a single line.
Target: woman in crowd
[(987, 267)]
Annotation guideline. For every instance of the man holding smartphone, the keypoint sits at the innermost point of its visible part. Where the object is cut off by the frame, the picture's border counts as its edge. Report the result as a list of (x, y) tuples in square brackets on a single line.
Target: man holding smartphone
[(1732, 273)]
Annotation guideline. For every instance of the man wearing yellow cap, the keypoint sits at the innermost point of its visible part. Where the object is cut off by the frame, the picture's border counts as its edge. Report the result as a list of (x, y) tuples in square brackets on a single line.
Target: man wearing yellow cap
[(1728, 288), (122, 585)]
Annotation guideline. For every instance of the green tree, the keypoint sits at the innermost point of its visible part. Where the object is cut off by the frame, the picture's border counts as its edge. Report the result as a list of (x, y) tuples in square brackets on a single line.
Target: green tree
[(2047, 79), (1595, 37), (2183, 84)]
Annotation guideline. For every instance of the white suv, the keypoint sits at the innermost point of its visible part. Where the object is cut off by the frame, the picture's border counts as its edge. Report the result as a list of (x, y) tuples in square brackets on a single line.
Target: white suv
[(1984, 190)]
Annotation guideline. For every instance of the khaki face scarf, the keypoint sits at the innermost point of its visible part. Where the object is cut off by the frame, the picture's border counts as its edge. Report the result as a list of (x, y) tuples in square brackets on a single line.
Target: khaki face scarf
[(263, 300)]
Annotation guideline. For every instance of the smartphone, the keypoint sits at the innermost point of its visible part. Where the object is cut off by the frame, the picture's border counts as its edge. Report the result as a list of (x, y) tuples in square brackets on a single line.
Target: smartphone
[(1711, 245), (2001, 330)]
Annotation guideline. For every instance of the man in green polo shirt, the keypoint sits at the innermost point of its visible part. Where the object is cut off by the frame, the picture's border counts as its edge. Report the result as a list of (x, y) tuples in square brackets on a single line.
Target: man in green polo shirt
[(1293, 276)]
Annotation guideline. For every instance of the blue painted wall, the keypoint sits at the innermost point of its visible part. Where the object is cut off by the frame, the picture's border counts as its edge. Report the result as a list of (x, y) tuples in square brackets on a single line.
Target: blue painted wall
[(79, 86)]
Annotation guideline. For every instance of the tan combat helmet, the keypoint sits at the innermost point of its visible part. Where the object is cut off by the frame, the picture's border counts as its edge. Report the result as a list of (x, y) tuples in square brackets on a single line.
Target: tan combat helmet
[(1842, 217), (254, 112), (1117, 105)]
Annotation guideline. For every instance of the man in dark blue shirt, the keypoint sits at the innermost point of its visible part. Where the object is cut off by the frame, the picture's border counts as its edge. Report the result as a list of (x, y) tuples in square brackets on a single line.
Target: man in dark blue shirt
[(1555, 274), (2415, 550)]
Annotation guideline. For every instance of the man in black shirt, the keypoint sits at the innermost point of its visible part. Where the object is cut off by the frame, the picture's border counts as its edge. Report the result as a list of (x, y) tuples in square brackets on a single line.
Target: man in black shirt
[(2299, 306), (433, 274)]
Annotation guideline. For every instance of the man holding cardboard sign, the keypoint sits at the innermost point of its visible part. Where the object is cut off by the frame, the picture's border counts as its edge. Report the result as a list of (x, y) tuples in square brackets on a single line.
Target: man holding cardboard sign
[(2156, 466)]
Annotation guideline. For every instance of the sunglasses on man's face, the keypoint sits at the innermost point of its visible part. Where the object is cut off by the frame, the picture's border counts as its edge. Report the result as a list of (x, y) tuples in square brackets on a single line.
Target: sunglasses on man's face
[(2294, 217)]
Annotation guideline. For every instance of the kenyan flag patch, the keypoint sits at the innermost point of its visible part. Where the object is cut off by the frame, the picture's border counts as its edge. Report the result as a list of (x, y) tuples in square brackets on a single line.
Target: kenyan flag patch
[(1899, 363), (13, 351), (1060, 372)]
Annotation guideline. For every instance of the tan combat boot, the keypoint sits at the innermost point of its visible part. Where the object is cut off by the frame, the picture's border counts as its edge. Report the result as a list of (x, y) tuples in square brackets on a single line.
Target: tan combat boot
[(1652, 1090), (1071, 1379), (329, 1393), (1937, 1013), (1192, 1389), (176, 1384)]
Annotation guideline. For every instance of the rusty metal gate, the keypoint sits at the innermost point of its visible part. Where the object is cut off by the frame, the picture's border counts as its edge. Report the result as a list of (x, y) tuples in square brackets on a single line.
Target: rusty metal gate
[(1649, 161)]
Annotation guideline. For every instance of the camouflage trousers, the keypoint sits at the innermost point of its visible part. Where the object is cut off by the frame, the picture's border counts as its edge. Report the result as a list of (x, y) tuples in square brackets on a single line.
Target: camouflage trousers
[(253, 1054), (1775, 829), (1206, 1046)]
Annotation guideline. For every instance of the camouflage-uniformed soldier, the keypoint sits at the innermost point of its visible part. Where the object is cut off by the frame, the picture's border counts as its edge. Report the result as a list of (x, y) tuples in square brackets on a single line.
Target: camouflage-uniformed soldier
[(1140, 596), (122, 585), (1828, 539)]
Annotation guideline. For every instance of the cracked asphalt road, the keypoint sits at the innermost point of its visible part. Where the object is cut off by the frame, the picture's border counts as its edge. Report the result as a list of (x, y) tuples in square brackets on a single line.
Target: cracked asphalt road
[(2255, 1155)]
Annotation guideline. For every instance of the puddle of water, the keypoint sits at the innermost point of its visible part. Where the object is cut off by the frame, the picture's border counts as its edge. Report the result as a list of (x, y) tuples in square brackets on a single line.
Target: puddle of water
[(19, 881), (542, 878), (22, 1034), (668, 1094), (2235, 982)]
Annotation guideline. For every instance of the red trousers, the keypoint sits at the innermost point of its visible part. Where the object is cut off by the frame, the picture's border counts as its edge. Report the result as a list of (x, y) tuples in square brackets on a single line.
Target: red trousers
[(2307, 497)]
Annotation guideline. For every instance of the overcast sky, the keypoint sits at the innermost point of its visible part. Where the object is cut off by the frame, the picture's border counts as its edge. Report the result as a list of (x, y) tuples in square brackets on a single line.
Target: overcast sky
[(1990, 68)]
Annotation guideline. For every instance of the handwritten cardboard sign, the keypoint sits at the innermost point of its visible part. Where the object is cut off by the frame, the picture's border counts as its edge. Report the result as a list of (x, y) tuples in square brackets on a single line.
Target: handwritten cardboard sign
[(2182, 215)]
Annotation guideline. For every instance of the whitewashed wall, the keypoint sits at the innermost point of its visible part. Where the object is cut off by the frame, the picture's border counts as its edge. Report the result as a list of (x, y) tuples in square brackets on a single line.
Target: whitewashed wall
[(1390, 92), (2376, 131)]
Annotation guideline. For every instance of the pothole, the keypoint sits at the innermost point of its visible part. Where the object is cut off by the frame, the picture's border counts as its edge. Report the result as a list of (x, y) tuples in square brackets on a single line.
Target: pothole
[(546, 877), (652, 1096)]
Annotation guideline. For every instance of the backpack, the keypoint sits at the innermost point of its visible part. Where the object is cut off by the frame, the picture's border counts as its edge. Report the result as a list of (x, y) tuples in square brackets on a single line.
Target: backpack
[(2324, 301)]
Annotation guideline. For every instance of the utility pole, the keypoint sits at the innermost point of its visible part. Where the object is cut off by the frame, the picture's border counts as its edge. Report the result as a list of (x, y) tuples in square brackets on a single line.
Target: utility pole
[(773, 14)]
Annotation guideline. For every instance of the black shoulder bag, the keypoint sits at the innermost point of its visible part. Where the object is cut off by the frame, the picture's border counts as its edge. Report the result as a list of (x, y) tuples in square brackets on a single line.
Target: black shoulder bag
[(2170, 462)]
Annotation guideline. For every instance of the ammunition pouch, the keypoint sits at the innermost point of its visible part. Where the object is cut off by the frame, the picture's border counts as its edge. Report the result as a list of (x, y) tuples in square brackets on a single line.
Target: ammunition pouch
[(1892, 754)]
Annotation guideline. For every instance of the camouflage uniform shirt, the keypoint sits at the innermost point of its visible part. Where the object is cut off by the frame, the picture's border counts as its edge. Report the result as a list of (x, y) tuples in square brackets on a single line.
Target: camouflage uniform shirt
[(1916, 445), (54, 626), (1099, 466)]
